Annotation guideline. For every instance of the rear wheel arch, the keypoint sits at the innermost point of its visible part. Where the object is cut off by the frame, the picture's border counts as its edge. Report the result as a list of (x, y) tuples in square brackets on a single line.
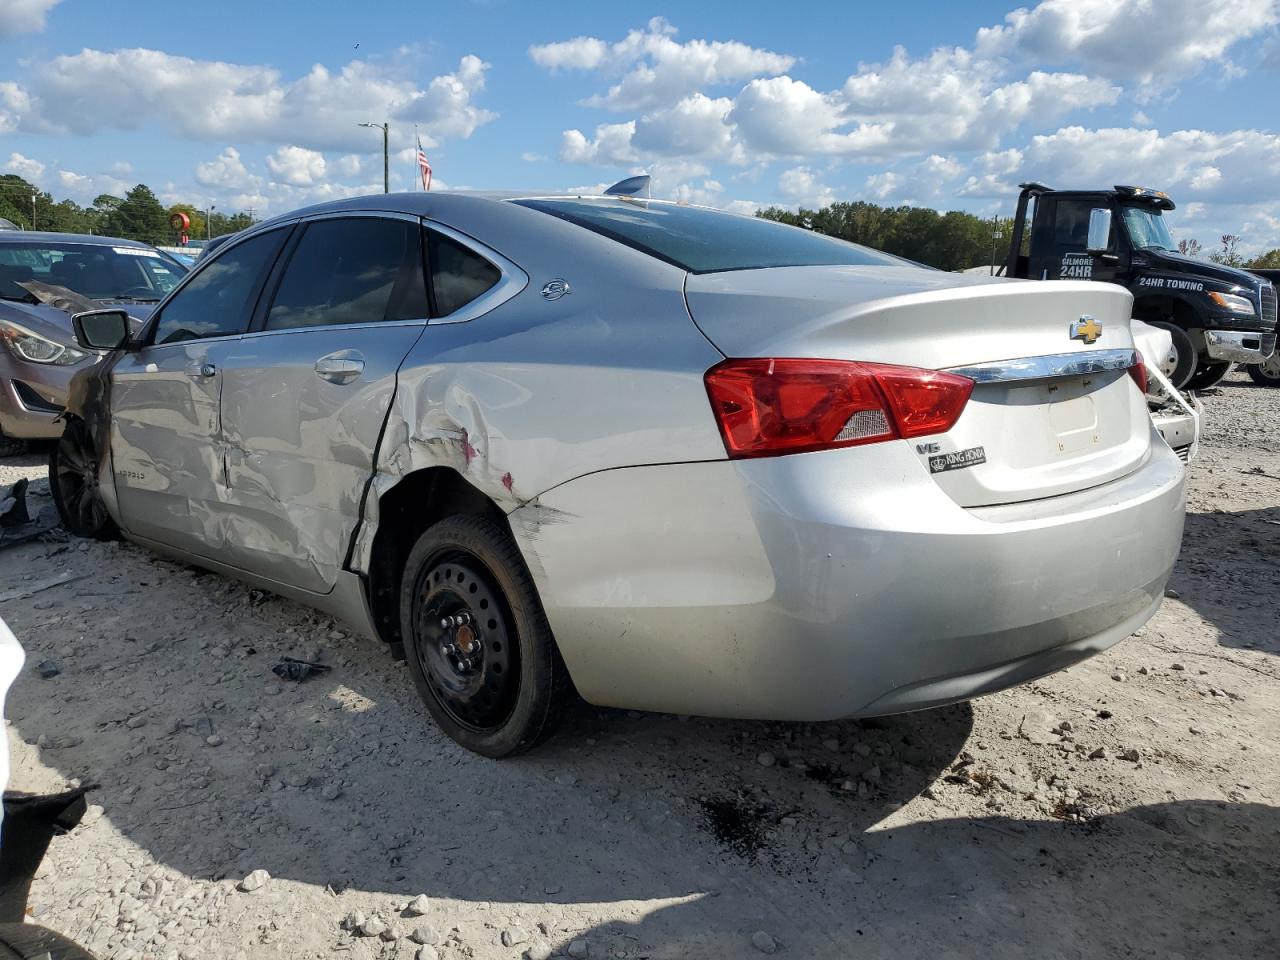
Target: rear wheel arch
[(419, 500)]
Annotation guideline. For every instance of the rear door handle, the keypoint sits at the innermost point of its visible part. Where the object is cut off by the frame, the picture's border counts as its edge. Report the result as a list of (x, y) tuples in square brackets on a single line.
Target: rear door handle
[(201, 371), (340, 367)]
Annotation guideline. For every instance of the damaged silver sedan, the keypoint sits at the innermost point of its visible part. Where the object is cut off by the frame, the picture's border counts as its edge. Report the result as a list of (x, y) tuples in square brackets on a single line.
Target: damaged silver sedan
[(676, 459)]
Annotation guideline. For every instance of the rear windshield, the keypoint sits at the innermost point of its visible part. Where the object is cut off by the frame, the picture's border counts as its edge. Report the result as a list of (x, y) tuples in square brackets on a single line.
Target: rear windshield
[(708, 241)]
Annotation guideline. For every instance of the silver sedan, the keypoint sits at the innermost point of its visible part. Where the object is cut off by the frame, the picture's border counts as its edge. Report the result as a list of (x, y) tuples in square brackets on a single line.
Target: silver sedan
[(676, 459)]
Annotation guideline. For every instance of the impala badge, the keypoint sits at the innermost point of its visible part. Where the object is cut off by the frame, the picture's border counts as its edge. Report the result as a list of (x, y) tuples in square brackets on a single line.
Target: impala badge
[(1086, 329)]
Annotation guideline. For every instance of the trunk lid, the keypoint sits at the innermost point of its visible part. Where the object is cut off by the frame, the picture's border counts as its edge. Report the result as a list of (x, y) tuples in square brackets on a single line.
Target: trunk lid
[(1034, 428)]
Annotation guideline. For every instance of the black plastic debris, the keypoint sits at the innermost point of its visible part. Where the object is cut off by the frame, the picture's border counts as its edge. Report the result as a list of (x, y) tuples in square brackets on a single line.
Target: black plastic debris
[(13, 505), (298, 670), (48, 669)]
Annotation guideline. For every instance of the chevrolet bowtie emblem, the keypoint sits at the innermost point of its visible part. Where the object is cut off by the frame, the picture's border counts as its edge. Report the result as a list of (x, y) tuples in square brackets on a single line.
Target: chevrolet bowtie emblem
[(1086, 329)]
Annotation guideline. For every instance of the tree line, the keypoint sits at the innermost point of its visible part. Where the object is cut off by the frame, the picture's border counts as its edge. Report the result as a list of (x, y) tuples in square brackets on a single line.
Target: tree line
[(138, 215), (954, 240)]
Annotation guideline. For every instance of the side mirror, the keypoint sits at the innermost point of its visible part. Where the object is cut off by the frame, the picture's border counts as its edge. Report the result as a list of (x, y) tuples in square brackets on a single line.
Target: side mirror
[(101, 329), (1099, 230)]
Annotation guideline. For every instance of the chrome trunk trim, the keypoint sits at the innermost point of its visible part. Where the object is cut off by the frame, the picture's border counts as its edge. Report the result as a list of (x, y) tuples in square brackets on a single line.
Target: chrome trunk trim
[(1050, 366)]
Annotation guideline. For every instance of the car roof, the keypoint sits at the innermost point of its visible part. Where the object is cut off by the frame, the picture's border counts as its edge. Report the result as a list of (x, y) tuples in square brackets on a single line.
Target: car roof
[(443, 203), (40, 236)]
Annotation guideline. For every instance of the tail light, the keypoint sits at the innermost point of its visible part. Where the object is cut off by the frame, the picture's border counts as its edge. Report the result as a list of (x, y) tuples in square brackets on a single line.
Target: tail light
[(767, 407), (1139, 373)]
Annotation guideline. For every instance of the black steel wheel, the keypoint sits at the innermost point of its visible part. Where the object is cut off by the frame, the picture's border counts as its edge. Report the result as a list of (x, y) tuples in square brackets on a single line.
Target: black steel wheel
[(1266, 373), (73, 481), (1209, 374), (462, 638), (477, 641)]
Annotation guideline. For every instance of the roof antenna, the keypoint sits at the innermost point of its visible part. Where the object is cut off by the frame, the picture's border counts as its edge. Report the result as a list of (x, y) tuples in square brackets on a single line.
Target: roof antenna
[(630, 187)]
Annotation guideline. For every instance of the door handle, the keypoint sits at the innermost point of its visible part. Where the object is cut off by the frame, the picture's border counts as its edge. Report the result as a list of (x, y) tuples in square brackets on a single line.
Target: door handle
[(339, 368), (202, 371)]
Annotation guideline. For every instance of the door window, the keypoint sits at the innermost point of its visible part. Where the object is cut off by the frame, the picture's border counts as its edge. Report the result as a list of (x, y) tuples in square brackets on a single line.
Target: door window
[(351, 270), (458, 274), (219, 299)]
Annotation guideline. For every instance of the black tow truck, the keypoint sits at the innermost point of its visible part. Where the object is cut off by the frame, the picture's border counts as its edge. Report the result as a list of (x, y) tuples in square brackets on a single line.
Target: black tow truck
[(1216, 315)]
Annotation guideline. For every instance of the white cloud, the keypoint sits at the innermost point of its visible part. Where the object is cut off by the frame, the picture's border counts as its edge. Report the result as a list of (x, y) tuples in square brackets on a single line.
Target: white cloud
[(30, 170), (209, 100), (657, 69), (227, 172), (350, 165), (24, 16), (530, 157), (802, 187), (1152, 42), (83, 188), (1193, 165), (611, 145), (297, 166)]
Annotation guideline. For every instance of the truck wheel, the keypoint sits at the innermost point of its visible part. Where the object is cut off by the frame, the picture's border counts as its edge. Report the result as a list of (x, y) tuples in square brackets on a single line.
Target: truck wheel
[(1186, 350), (1209, 375), (1266, 373), (476, 639)]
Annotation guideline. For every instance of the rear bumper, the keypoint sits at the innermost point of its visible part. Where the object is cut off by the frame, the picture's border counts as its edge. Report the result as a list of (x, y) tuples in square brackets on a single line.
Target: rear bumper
[(838, 584), (1239, 346)]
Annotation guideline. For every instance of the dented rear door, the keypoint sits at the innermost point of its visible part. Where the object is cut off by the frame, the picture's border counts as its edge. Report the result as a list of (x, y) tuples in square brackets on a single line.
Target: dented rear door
[(306, 393)]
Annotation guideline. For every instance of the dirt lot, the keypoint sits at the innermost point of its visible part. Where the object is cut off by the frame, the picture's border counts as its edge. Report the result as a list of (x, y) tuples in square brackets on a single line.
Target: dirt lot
[(1147, 825)]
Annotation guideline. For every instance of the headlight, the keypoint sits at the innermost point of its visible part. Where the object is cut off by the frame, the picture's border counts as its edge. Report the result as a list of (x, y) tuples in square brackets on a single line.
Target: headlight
[(1229, 301), (33, 348)]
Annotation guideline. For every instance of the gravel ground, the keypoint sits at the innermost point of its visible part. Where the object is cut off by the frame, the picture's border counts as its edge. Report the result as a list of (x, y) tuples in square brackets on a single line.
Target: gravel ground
[(1125, 808)]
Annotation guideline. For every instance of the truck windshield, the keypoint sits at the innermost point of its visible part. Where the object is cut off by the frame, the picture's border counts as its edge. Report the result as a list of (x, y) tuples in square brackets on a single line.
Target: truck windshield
[(1146, 228)]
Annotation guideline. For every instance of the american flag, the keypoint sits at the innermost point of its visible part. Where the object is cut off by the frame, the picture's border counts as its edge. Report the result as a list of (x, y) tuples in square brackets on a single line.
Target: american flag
[(424, 166)]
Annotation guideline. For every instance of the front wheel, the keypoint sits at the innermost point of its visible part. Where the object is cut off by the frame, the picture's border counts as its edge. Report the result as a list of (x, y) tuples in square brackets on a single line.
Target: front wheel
[(1266, 373), (477, 641), (1185, 350), (1209, 375), (73, 481)]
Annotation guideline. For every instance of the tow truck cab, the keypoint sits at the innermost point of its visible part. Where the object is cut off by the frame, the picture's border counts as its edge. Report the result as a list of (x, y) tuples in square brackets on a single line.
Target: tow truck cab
[(1216, 315)]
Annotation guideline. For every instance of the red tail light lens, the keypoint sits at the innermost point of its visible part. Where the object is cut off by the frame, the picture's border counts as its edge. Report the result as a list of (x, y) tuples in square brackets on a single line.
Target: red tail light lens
[(1139, 373), (767, 407)]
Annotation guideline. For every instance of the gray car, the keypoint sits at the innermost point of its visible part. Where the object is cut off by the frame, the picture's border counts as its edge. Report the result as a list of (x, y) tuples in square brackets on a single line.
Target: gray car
[(44, 278), (681, 460)]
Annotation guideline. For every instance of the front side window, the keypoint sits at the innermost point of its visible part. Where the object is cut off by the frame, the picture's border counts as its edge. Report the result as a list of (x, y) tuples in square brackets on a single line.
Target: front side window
[(458, 274), (1146, 228), (357, 270), (709, 241), (218, 300)]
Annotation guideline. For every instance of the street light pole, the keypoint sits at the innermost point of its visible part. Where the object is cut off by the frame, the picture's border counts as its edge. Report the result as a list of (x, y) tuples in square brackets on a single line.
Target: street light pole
[(386, 153), (208, 221)]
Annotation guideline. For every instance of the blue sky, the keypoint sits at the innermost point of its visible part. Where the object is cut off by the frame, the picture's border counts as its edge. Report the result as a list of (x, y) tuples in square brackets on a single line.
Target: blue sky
[(737, 105)]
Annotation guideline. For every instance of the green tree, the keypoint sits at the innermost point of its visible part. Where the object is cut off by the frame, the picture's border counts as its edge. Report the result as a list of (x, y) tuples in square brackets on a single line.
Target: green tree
[(949, 241), (140, 216), (1266, 261)]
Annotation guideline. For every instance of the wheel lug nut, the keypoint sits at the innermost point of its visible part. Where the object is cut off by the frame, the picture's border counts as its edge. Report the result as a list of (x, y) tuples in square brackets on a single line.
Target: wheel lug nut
[(445, 624)]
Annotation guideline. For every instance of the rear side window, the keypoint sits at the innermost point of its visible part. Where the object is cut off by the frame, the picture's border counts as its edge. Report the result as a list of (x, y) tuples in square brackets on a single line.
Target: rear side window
[(458, 274), (219, 299), (708, 241), (357, 270)]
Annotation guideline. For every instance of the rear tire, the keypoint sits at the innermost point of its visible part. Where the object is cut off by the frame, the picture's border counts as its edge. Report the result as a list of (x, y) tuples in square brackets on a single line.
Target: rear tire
[(1185, 349), (73, 481), (1209, 375), (492, 678), (1266, 373)]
